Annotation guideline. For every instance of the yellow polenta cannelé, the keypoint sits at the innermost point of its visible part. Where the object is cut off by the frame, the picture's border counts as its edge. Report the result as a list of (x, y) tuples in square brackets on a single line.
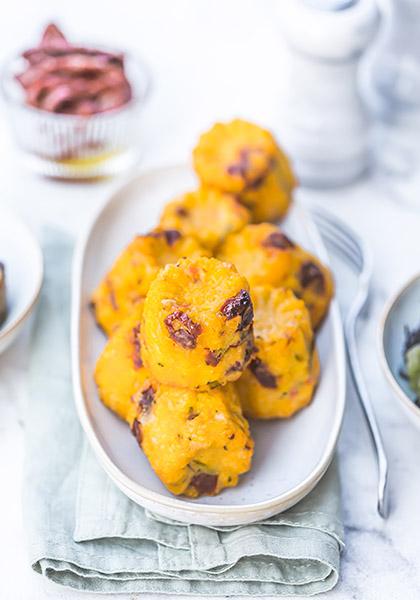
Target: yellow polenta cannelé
[(197, 442), (312, 281), (119, 372), (244, 159), (207, 214), (265, 256), (284, 369), (127, 283), (205, 438), (197, 324)]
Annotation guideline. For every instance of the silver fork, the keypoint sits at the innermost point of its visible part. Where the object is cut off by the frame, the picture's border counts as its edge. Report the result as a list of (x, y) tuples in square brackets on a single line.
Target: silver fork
[(352, 248)]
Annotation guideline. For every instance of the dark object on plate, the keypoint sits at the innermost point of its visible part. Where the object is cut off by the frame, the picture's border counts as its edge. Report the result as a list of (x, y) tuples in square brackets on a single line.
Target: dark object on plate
[(3, 305), (67, 79), (411, 354)]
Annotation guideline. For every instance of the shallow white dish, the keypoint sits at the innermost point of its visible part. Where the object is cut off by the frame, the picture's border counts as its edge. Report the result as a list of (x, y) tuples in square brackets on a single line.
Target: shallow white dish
[(291, 456), (22, 257), (402, 310)]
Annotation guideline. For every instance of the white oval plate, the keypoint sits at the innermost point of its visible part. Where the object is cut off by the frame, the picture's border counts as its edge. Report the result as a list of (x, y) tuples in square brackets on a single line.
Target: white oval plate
[(290, 457), (22, 257)]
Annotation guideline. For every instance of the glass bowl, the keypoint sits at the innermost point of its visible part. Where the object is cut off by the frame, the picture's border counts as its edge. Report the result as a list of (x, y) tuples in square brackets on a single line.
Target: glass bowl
[(73, 146)]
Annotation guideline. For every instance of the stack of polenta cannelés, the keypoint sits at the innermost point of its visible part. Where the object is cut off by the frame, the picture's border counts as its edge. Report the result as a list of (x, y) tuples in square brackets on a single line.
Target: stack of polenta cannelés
[(211, 316)]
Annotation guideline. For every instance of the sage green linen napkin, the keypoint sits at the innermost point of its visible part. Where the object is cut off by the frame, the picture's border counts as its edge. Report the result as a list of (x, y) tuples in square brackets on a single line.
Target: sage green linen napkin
[(84, 533)]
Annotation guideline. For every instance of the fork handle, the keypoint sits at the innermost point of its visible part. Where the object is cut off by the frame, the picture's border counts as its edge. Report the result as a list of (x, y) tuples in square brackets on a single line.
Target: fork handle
[(366, 403)]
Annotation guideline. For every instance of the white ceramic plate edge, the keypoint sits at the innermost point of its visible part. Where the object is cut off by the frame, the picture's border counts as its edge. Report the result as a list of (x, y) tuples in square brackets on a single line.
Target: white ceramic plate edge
[(136, 491), (407, 403), (11, 329)]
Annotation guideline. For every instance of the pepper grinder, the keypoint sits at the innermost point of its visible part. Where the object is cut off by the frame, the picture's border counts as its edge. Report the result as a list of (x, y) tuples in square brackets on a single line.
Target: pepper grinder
[(323, 123), (390, 80)]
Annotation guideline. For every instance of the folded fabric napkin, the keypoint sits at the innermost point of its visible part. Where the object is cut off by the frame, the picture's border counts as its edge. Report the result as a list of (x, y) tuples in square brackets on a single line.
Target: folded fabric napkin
[(84, 533)]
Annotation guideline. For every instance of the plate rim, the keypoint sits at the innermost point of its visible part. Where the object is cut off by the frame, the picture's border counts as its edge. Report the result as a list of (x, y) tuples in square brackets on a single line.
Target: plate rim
[(405, 400), (25, 311), (123, 481)]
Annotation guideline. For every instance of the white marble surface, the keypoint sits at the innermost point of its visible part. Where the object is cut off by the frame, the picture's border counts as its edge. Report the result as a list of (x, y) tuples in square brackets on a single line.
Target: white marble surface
[(211, 60)]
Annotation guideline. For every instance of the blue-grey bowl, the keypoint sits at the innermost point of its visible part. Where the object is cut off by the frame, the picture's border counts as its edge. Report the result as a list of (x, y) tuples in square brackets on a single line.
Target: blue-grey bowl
[(403, 310)]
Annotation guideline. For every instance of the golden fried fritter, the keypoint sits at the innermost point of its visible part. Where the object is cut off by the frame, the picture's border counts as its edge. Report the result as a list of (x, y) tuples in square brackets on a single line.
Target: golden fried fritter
[(264, 255), (197, 324), (197, 442), (206, 214), (261, 253), (312, 281), (119, 372), (126, 284), (284, 369), (241, 158)]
